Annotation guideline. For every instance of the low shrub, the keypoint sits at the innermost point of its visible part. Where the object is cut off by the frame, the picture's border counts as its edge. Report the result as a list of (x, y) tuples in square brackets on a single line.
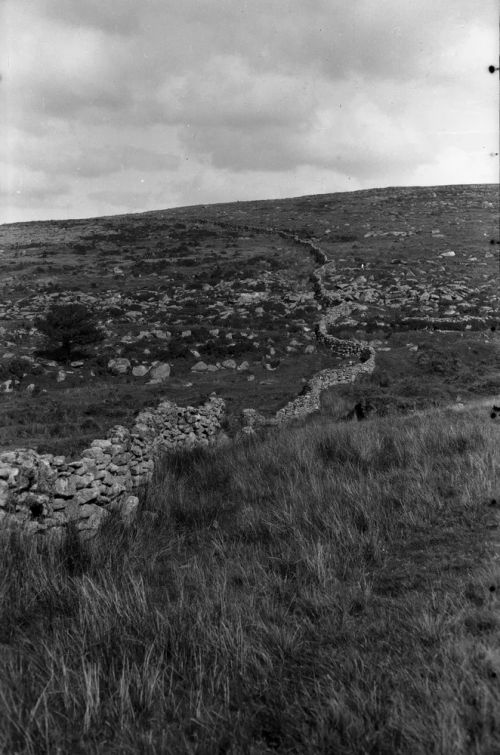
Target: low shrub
[(18, 367)]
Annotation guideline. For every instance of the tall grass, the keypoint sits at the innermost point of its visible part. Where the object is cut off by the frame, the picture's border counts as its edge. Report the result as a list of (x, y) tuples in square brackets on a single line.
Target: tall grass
[(329, 589)]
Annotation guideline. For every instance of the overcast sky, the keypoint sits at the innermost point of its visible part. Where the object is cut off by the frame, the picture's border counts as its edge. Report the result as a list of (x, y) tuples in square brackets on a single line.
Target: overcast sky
[(113, 106)]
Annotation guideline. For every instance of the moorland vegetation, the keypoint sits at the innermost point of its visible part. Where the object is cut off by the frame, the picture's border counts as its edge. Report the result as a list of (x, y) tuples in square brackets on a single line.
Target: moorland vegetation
[(327, 587), (330, 588), (402, 258)]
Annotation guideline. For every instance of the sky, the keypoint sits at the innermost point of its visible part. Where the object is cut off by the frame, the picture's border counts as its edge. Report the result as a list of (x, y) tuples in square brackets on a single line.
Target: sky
[(116, 106)]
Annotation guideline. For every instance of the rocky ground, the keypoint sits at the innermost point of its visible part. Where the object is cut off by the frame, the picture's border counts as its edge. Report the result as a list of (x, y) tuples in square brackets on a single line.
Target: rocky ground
[(192, 302)]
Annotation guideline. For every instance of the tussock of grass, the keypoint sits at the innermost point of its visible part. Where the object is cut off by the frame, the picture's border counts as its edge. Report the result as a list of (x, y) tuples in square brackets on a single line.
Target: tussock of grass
[(326, 590)]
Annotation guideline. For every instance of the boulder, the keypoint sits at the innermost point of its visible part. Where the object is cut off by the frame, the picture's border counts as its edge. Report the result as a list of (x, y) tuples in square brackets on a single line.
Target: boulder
[(4, 493), (229, 364), (199, 367), (160, 373), (119, 366), (128, 509), (91, 517), (85, 496), (140, 370)]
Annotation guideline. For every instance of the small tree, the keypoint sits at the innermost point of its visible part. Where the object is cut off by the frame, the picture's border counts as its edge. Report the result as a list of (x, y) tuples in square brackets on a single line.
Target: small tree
[(69, 325)]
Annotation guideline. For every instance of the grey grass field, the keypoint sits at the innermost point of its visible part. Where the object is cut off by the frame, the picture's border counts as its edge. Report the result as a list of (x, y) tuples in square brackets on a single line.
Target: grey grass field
[(331, 588)]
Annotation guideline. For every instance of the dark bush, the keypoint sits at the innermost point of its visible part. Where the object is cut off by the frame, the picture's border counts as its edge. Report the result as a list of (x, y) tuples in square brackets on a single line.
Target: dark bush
[(19, 367), (178, 350), (69, 325)]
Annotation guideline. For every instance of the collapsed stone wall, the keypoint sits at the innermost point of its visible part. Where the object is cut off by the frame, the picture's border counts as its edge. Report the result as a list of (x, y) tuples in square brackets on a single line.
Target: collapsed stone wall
[(42, 493)]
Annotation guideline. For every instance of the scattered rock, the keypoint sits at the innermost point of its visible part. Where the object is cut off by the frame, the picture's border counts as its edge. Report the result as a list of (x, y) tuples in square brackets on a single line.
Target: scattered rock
[(140, 370), (129, 508), (160, 373), (119, 366), (7, 386), (199, 367)]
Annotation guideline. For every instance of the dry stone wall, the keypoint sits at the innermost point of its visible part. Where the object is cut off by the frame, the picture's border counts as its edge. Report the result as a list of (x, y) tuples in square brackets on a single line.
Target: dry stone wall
[(41, 493), (360, 355), (469, 322)]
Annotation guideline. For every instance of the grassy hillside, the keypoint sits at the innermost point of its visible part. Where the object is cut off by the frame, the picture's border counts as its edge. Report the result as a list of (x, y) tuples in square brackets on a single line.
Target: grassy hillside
[(329, 589), (177, 287)]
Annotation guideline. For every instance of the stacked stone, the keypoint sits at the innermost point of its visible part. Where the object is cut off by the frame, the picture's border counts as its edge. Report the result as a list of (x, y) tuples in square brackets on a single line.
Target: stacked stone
[(41, 493), (300, 407), (361, 351), (460, 322), (348, 348), (26, 479), (343, 347), (252, 419), (311, 401)]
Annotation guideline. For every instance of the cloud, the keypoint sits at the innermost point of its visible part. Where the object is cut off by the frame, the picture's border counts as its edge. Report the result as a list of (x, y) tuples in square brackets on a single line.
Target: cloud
[(229, 93), (122, 19), (23, 190), (88, 161), (243, 95)]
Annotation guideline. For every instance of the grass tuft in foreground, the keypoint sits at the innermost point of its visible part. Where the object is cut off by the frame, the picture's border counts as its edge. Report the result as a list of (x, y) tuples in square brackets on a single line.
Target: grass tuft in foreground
[(328, 590)]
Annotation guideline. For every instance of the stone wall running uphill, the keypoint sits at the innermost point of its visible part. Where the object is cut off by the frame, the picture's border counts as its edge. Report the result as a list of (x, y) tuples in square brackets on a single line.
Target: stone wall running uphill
[(41, 493)]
